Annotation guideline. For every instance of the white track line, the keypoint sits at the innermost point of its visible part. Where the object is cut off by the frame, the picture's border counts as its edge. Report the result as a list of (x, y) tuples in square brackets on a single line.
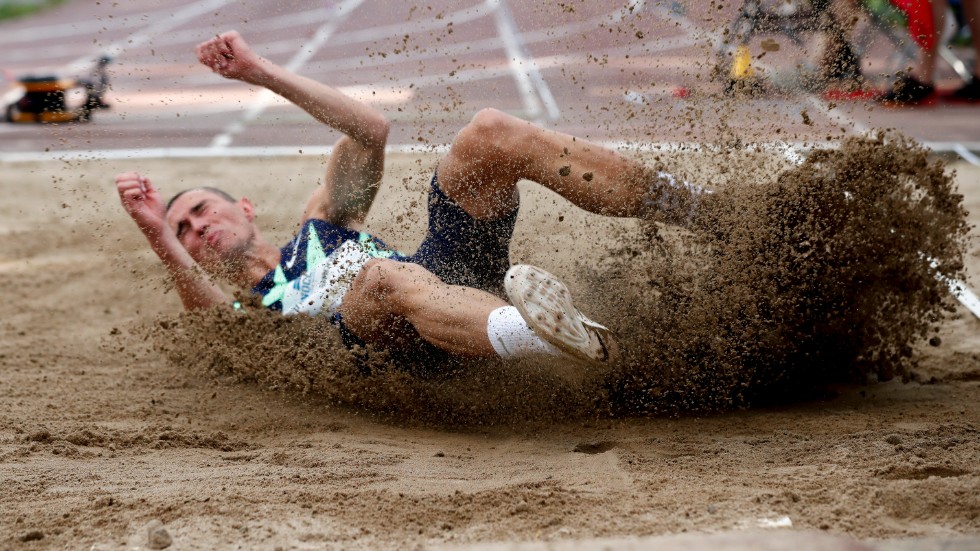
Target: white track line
[(488, 73), (61, 31), (139, 38), (537, 96), (632, 8), (338, 14), (187, 35), (463, 76), (490, 44), (790, 150), (371, 34), (967, 298), (547, 62), (136, 39), (967, 155), (532, 80), (348, 38)]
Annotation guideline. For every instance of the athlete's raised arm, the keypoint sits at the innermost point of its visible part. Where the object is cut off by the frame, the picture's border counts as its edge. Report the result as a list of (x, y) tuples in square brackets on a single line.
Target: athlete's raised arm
[(142, 201), (356, 165)]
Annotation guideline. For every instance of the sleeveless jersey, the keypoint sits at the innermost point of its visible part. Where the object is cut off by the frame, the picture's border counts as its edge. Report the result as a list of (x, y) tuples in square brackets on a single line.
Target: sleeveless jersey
[(317, 268)]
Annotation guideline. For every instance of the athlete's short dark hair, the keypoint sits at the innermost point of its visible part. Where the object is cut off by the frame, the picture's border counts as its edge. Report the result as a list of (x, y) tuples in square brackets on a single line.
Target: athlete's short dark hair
[(220, 193)]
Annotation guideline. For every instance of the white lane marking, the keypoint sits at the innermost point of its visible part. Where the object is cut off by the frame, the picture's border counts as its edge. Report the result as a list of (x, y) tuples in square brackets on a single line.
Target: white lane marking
[(141, 37), (534, 92), (967, 298), (632, 8), (547, 62), (184, 36), (967, 155), (534, 89), (790, 150), (371, 34), (349, 38), (338, 13), (490, 44), (61, 31), (464, 76)]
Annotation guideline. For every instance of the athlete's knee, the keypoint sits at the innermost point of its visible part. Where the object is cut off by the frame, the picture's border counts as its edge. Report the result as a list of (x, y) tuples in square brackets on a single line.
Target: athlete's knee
[(489, 131), (393, 284), (490, 121), (376, 280)]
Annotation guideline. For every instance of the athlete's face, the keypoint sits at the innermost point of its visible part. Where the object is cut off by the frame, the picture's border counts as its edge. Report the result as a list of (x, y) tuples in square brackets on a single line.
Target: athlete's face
[(214, 230)]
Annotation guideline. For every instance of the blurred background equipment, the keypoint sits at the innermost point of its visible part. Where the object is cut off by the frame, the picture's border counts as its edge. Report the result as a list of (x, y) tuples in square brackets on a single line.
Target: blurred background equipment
[(846, 29), (49, 99)]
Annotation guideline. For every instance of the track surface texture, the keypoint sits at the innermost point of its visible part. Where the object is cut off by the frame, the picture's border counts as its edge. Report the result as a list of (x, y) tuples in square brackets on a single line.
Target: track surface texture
[(606, 71)]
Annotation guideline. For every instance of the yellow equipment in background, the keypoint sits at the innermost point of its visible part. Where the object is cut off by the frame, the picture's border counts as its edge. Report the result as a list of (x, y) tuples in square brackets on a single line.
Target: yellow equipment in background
[(49, 99), (44, 101)]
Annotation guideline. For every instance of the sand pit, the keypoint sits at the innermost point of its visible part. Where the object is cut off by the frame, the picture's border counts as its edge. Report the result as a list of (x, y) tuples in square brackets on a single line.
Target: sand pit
[(103, 433)]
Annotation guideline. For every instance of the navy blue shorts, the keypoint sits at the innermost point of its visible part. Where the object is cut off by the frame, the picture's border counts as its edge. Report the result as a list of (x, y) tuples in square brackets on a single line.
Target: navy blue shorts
[(460, 250)]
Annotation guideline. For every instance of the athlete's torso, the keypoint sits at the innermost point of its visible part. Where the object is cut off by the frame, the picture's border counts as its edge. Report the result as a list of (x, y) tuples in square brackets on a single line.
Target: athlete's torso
[(317, 268)]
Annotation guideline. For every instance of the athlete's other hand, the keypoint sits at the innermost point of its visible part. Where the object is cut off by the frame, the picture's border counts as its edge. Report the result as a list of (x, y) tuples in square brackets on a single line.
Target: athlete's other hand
[(230, 56), (142, 201)]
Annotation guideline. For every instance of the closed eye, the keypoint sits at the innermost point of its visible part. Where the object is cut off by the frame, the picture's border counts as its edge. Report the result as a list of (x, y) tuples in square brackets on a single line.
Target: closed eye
[(196, 209), (183, 224)]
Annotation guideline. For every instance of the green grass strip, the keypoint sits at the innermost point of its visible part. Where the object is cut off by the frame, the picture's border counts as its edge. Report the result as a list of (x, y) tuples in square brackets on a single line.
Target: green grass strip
[(12, 9)]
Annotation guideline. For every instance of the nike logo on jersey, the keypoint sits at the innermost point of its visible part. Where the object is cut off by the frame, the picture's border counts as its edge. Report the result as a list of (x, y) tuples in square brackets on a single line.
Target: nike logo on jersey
[(292, 258)]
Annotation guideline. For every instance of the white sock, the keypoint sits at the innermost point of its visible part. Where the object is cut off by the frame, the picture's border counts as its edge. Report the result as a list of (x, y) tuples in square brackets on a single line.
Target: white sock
[(511, 337)]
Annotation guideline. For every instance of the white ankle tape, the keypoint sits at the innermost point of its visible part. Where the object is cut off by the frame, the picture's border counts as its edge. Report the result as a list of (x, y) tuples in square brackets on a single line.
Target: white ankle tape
[(511, 337)]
